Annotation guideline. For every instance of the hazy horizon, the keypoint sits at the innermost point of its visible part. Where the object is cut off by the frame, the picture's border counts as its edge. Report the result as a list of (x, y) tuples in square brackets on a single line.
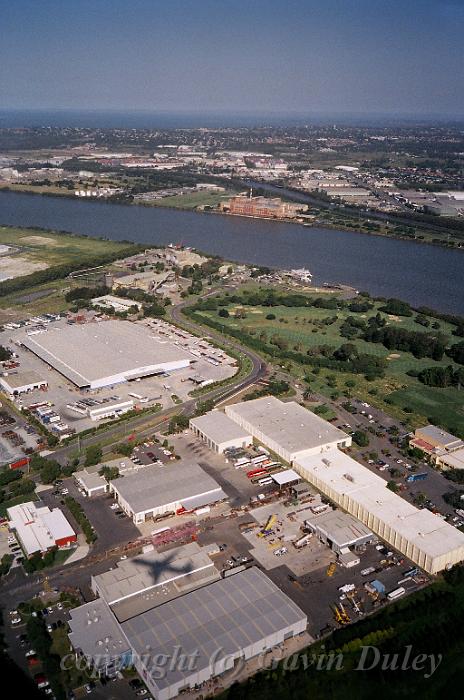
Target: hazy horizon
[(302, 57)]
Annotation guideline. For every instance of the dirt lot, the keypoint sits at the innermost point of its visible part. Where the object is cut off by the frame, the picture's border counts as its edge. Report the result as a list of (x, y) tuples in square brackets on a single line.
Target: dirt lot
[(18, 266)]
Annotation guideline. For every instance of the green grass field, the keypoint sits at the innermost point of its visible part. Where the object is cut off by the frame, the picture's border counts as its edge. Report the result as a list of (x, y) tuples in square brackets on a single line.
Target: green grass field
[(303, 329), (191, 201), (56, 248)]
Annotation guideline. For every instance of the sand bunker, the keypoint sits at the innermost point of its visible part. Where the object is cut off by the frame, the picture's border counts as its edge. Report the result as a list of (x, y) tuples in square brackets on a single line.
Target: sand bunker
[(38, 240)]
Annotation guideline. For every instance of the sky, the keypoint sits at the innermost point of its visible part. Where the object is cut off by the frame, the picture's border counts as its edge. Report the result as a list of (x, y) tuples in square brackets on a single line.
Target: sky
[(250, 56)]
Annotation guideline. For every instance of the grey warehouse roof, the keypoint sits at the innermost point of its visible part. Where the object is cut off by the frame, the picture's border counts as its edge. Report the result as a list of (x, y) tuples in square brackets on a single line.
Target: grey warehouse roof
[(157, 486), (342, 528), (439, 435), (295, 428), (90, 479), (218, 427), (151, 569), (224, 617), (95, 631), (22, 379), (92, 351)]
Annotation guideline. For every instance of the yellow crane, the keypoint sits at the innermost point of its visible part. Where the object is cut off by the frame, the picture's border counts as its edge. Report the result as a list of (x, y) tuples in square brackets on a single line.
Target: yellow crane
[(331, 569), (268, 526)]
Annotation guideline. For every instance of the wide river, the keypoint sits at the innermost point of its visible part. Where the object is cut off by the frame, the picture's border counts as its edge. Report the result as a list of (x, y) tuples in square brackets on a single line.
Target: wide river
[(421, 274)]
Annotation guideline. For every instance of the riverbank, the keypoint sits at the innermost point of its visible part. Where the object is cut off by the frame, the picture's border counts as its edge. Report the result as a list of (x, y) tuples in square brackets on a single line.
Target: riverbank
[(422, 275), (423, 237)]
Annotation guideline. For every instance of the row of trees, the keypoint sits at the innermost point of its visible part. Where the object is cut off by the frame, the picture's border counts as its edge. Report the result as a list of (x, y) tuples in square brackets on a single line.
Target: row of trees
[(441, 376), (419, 344)]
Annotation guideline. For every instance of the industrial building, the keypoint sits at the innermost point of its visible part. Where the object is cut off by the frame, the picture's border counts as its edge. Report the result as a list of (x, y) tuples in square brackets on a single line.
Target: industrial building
[(38, 528), (420, 535), (98, 410), (220, 432), (238, 617), (155, 491), (340, 531), (97, 636), (263, 207), (434, 441), (121, 304), (95, 355), (286, 428), (90, 481), (22, 382), (451, 460), (140, 583)]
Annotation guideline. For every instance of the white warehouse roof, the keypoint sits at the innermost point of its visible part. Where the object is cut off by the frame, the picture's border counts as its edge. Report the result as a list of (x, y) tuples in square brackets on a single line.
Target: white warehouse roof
[(366, 496), (100, 354), (38, 527), (287, 425), (218, 427)]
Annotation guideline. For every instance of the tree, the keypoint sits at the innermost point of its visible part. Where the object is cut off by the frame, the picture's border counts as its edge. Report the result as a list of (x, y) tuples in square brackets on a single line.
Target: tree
[(223, 313), (109, 473), (396, 307), (360, 438), (456, 352), (5, 353), (178, 423), (93, 455), (393, 486), (124, 448), (50, 471)]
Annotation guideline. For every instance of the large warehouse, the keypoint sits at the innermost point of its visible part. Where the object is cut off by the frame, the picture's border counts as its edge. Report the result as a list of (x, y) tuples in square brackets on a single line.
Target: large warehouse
[(154, 491), (286, 428), (220, 432), (420, 535), (238, 617), (95, 355)]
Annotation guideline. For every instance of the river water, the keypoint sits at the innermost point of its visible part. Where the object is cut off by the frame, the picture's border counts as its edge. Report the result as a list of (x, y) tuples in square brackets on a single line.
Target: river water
[(418, 273)]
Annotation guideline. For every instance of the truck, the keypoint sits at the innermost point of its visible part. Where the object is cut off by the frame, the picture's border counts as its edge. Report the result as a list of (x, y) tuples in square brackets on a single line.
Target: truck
[(397, 593), (416, 477), (303, 541), (23, 462)]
